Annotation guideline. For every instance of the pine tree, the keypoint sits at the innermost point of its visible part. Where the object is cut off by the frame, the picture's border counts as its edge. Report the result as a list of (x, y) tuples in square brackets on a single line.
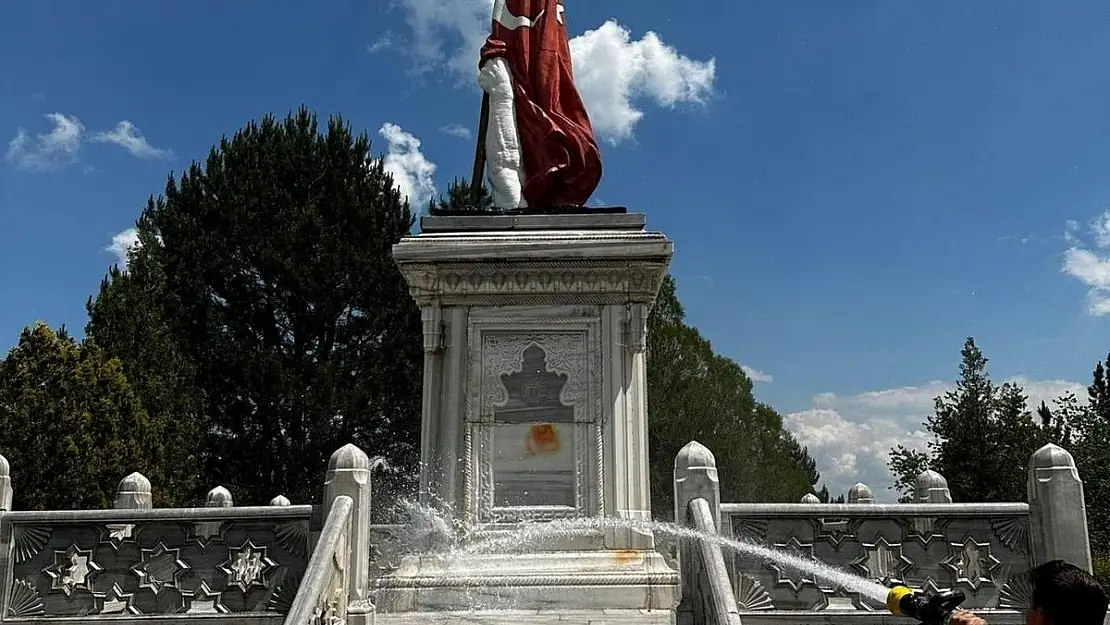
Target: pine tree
[(983, 436), (276, 285), (72, 424)]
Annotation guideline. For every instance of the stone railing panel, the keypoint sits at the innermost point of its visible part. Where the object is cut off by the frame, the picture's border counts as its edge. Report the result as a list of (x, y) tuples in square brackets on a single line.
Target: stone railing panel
[(127, 563), (982, 549)]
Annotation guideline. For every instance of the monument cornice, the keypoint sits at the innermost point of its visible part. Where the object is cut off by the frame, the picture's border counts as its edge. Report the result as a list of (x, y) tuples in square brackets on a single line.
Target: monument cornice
[(534, 282), (545, 267)]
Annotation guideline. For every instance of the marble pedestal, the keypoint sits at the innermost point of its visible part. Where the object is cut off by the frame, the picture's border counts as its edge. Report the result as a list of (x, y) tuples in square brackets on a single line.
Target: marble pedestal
[(534, 407)]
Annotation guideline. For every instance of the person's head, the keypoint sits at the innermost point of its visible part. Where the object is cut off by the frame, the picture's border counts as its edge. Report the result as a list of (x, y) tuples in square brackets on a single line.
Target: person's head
[(1064, 594)]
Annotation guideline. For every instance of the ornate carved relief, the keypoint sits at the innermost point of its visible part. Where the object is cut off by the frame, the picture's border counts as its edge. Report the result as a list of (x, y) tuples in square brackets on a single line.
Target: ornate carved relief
[(752, 595), (204, 533), (72, 570), (789, 576), (636, 327), (116, 534), (25, 600), (882, 561), (204, 600), (539, 386), (923, 533), (293, 535), (565, 355), (247, 566), (971, 562), (511, 283), (1013, 532), (160, 568), (115, 601), (284, 594), (835, 530), (1016, 593), (29, 541), (432, 319), (744, 528)]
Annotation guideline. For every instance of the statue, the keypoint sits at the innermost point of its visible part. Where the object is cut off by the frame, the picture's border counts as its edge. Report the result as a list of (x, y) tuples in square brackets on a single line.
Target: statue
[(535, 137)]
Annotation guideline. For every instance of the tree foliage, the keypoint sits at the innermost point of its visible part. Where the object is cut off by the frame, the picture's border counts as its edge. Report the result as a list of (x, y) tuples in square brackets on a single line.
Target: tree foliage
[(460, 196), (272, 278), (983, 436), (73, 427), (697, 394)]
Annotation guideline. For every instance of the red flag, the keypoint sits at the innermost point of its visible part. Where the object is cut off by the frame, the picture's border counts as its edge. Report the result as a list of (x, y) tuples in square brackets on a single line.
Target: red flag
[(562, 162)]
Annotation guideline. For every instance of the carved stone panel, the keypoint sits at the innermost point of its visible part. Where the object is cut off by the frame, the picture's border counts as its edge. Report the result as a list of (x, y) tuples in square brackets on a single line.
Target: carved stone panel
[(533, 413), (79, 569)]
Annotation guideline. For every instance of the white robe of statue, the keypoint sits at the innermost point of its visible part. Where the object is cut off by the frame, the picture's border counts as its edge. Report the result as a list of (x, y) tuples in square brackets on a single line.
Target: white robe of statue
[(504, 166)]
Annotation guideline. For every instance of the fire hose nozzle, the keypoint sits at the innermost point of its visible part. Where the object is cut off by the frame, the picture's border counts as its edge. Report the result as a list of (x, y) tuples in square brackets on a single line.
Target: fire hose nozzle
[(934, 609)]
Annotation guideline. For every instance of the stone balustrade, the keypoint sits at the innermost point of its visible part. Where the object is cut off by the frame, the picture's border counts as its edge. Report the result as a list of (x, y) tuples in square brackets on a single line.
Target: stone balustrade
[(983, 549), (134, 563)]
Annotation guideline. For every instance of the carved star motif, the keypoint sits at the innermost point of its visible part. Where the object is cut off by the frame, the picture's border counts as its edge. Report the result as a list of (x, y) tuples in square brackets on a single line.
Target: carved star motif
[(115, 601), (160, 568), (116, 534), (882, 561), (204, 600), (924, 530), (204, 533), (785, 573), (971, 562), (71, 570), (247, 566), (834, 530)]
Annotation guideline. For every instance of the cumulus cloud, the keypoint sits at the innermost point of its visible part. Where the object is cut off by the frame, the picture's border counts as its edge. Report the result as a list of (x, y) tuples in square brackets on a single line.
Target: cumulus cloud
[(122, 243), (851, 436), (48, 151), (1090, 263), (756, 375), (59, 147), (614, 73), (128, 137), (412, 172)]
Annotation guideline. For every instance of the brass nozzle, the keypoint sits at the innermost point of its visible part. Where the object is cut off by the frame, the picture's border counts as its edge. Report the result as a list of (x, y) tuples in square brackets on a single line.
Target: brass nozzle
[(894, 599)]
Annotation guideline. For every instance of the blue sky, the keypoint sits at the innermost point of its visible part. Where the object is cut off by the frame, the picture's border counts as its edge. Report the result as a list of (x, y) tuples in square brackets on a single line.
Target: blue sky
[(852, 188)]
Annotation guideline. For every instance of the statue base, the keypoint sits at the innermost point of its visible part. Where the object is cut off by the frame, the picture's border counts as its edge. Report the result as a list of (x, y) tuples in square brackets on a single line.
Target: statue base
[(636, 582)]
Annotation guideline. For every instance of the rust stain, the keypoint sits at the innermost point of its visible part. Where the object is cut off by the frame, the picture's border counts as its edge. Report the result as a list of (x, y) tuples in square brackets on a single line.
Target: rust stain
[(626, 557), (543, 439)]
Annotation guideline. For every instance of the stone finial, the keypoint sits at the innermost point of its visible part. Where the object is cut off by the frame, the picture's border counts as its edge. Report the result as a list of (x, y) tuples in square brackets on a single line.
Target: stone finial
[(349, 470), (695, 477), (5, 485), (694, 454), (1057, 512), (219, 497), (931, 487), (134, 493), (349, 457), (861, 493), (280, 500), (810, 498)]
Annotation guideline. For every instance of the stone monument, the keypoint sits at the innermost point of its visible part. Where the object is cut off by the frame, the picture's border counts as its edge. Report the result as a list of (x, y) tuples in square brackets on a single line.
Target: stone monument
[(535, 326)]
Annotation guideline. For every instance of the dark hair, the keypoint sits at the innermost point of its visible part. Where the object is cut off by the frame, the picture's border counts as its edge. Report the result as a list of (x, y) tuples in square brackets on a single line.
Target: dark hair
[(1067, 594)]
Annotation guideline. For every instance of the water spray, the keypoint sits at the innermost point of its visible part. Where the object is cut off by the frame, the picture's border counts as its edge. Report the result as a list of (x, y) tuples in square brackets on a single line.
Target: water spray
[(933, 609)]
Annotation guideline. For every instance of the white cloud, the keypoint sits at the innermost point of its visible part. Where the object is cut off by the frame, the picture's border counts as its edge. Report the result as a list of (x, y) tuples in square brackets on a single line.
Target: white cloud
[(756, 375), (128, 137), (456, 130), (122, 243), (614, 73), (612, 70), (412, 172), (52, 150), (851, 437), (1091, 264), (387, 41)]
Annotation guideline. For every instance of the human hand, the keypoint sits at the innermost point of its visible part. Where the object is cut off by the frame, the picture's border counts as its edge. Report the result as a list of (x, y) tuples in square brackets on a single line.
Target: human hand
[(964, 617)]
